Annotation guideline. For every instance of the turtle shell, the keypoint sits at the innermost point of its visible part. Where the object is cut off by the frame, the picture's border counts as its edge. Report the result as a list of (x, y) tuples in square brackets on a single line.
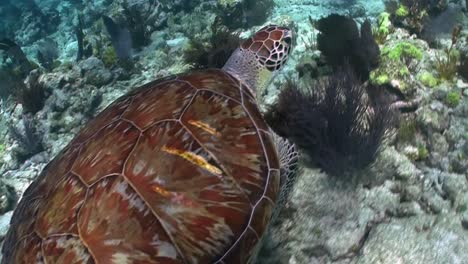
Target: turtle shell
[(181, 170)]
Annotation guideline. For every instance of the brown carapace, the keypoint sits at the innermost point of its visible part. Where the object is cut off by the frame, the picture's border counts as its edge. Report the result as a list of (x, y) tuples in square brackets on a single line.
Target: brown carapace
[(181, 170)]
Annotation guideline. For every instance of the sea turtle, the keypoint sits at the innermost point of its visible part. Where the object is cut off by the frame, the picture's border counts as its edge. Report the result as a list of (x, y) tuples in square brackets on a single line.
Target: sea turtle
[(180, 170)]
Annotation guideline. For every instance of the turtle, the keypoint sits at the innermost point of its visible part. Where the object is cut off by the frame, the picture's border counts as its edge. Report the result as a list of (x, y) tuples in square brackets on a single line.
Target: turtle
[(183, 169)]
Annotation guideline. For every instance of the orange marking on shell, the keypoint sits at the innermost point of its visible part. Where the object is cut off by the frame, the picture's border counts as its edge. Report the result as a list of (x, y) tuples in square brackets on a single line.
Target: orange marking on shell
[(178, 198), (161, 191), (193, 158), (207, 128)]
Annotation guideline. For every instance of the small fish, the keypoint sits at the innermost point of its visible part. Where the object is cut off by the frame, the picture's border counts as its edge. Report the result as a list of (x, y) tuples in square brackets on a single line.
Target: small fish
[(120, 37), (16, 53)]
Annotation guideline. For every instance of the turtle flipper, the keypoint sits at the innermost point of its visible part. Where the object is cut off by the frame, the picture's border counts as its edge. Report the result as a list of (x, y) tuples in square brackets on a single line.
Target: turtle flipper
[(289, 157)]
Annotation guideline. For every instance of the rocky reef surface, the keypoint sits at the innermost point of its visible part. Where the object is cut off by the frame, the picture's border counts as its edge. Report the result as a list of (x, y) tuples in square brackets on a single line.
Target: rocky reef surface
[(411, 206)]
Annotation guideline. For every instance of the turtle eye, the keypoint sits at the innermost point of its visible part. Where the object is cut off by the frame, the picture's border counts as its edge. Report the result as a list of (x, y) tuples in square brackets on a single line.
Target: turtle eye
[(287, 40)]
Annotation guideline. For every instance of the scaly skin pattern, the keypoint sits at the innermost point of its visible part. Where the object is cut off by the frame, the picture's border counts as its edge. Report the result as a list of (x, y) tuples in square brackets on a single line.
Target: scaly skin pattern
[(181, 170), (269, 47)]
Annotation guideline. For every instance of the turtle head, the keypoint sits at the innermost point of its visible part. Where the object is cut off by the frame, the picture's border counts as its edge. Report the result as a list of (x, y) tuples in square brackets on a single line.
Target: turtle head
[(260, 57)]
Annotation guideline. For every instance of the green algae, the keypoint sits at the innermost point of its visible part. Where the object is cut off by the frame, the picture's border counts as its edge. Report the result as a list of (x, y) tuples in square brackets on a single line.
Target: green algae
[(396, 59), (384, 28), (402, 11), (428, 79), (407, 131), (423, 152), (452, 99), (109, 57), (402, 50), (379, 79)]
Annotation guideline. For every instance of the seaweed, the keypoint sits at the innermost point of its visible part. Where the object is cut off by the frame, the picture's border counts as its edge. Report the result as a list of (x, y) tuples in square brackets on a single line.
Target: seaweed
[(333, 122), (244, 13), (341, 41), (441, 25), (453, 99), (47, 53), (383, 29), (447, 64), (28, 138), (216, 51), (141, 23), (463, 66), (17, 55), (310, 41), (31, 95), (82, 51)]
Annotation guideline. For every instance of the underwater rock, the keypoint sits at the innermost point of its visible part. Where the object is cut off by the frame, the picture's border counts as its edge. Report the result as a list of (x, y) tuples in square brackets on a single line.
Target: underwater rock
[(432, 121), (426, 240), (440, 24), (400, 60), (142, 18), (5, 224), (177, 43), (433, 202), (8, 197), (326, 220), (47, 53), (438, 143), (216, 50), (244, 13), (307, 67), (35, 23), (464, 220), (28, 138), (454, 185), (463, 66), (22, 66), (94, 71)]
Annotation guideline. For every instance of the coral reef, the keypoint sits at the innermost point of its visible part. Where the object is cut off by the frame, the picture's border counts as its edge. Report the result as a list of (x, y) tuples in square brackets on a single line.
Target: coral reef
[(35, 22), (399, 61), (446, 65), (59, 67), (428, 79), (27, 136), (383, 28), (31, 95), (244, 13), (142, 18), (216, 51), (463, 66)]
